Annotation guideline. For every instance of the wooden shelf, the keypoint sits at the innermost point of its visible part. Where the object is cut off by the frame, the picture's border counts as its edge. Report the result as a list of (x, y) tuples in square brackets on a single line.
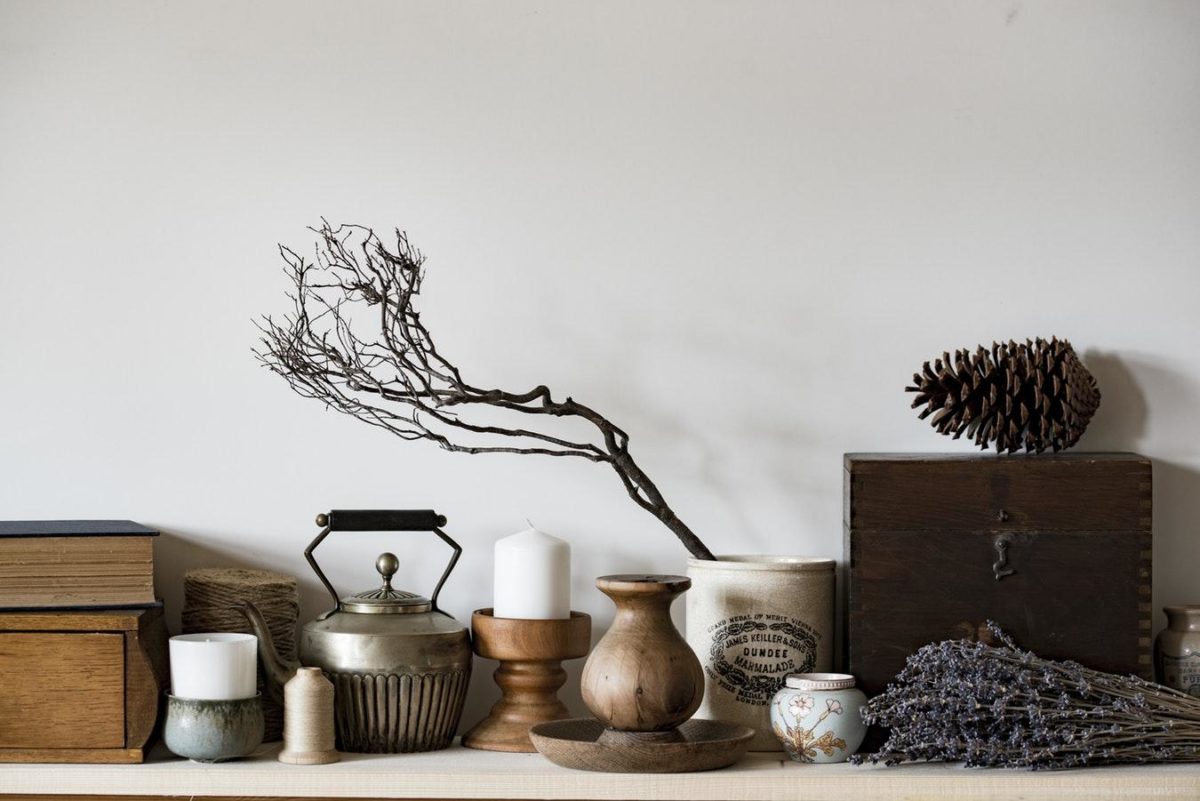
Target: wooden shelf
[(459, 773)]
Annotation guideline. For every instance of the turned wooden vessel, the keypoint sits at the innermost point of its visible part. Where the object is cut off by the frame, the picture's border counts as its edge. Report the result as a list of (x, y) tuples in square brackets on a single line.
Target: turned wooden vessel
[(643, 683), (642, 676), (530, 674)]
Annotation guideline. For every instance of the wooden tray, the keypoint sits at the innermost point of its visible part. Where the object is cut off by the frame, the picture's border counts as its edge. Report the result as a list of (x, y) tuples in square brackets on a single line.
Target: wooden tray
[(584, 744)]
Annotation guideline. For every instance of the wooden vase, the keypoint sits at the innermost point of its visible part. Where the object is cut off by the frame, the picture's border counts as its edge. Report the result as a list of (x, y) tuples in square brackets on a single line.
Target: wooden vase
[(530, 674), (642, 677)]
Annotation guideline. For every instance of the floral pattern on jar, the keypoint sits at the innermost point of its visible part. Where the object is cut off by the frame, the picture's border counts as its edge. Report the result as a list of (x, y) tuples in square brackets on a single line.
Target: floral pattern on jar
[(817, 717)]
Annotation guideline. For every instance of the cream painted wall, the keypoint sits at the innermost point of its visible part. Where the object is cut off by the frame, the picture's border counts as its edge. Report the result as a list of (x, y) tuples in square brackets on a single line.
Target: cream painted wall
[(736, 228)]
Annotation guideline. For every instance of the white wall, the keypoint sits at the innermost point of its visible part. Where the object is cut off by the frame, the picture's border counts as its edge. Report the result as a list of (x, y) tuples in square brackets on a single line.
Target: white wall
[(735, 228)]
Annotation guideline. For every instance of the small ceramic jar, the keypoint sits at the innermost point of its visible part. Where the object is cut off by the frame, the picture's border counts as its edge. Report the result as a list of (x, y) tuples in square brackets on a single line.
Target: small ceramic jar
[(816, 717), (1178, 649)]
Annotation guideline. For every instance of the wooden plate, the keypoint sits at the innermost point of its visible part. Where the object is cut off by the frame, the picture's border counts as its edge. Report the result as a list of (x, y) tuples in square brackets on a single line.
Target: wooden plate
[(583, 744)]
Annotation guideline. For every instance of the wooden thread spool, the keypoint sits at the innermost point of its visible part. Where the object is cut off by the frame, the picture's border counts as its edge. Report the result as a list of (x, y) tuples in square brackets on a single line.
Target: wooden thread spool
[(308, 719)]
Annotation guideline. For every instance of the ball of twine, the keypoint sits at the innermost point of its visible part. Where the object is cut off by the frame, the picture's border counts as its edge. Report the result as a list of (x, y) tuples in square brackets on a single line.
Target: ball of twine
[(212, 599)]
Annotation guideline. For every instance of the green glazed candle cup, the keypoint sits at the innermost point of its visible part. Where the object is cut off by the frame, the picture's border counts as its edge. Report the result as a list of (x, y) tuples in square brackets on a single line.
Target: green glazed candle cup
[(213, 731), (818, 717)]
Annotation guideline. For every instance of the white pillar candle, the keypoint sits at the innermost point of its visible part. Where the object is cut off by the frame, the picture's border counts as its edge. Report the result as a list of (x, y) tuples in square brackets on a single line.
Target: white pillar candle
[(214, 667), (533, 577)]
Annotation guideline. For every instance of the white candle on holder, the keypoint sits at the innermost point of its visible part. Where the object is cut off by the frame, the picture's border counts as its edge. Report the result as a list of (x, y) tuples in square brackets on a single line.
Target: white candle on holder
[(220, 666), (533, 577)]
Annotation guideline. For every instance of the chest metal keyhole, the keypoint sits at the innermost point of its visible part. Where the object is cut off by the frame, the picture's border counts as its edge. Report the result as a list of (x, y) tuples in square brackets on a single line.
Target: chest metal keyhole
[(1000, 567)]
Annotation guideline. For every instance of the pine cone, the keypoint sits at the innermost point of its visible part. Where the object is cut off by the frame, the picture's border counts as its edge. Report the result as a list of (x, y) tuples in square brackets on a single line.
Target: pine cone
[(1035, 395)]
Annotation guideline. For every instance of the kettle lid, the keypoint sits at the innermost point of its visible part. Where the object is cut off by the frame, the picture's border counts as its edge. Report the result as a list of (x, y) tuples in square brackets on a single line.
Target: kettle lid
[(386, 600)]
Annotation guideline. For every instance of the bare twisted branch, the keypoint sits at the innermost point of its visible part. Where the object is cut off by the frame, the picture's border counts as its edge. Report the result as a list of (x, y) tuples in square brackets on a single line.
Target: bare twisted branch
[(388, 372)]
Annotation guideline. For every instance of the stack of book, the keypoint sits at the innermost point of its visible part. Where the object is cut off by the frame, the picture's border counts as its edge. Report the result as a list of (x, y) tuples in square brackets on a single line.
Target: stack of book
[(83, 643), (76, 564)]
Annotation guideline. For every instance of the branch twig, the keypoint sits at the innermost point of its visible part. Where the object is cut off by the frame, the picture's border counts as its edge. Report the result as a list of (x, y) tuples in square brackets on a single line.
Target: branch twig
[(390, 374)]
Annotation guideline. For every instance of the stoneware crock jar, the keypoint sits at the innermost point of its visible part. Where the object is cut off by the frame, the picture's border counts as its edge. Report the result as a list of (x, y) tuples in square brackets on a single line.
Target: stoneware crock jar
[(752, 621), (1178, 649), (817, 717)]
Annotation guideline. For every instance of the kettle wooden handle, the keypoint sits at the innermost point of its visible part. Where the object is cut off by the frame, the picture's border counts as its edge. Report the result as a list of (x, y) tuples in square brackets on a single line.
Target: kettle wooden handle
[(384, 520), (381, 520)]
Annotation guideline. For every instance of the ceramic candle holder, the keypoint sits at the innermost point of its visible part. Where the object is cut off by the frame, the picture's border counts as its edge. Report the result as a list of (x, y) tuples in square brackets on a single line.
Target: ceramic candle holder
[(530, 674), (213, 731)]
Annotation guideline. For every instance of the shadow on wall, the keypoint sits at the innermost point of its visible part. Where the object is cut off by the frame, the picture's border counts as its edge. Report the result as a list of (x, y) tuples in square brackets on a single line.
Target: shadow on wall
[(1120, 422), (174, 554), (1176, 546), (177, 552), (1126, 381), (733, 460)]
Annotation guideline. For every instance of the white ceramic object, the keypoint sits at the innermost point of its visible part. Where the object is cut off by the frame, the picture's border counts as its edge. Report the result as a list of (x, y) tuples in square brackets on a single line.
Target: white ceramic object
[(219, 666), (752, 621), (818, 717)]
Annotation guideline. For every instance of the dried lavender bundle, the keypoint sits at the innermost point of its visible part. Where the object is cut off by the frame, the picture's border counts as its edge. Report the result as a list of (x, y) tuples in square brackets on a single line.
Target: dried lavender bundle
[(1000, 706)]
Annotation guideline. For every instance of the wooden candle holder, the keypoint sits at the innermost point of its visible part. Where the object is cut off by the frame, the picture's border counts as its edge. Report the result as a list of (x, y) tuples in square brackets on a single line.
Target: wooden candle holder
[(530, 675)]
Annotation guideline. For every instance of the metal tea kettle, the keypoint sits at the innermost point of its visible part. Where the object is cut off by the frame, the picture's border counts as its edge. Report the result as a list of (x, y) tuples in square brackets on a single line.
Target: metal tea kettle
[(399, 665)]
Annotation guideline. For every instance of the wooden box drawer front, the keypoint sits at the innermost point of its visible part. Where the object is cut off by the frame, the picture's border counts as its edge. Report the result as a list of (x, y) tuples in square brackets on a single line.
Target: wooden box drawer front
[(1078, 595), (1084, 492), (62, 690)]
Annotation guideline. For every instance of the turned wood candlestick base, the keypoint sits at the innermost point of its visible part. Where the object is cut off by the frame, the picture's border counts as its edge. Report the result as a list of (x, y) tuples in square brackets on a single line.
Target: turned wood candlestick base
[(530, 675)]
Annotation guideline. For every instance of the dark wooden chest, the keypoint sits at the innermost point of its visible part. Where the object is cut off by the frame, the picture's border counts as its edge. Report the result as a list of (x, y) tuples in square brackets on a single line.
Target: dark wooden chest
[(1055, 548)]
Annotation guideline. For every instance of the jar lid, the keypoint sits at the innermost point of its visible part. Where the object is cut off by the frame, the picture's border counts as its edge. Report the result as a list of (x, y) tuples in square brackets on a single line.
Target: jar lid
[(386, 600), (820, 681)]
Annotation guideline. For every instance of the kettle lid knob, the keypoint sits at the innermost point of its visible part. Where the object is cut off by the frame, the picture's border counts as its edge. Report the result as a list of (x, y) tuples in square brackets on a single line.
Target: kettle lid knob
[(387, 564)]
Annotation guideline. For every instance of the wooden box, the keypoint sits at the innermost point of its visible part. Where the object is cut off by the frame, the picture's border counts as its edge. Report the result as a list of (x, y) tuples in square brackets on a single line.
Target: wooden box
[(1055, 548), (80, 686)]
